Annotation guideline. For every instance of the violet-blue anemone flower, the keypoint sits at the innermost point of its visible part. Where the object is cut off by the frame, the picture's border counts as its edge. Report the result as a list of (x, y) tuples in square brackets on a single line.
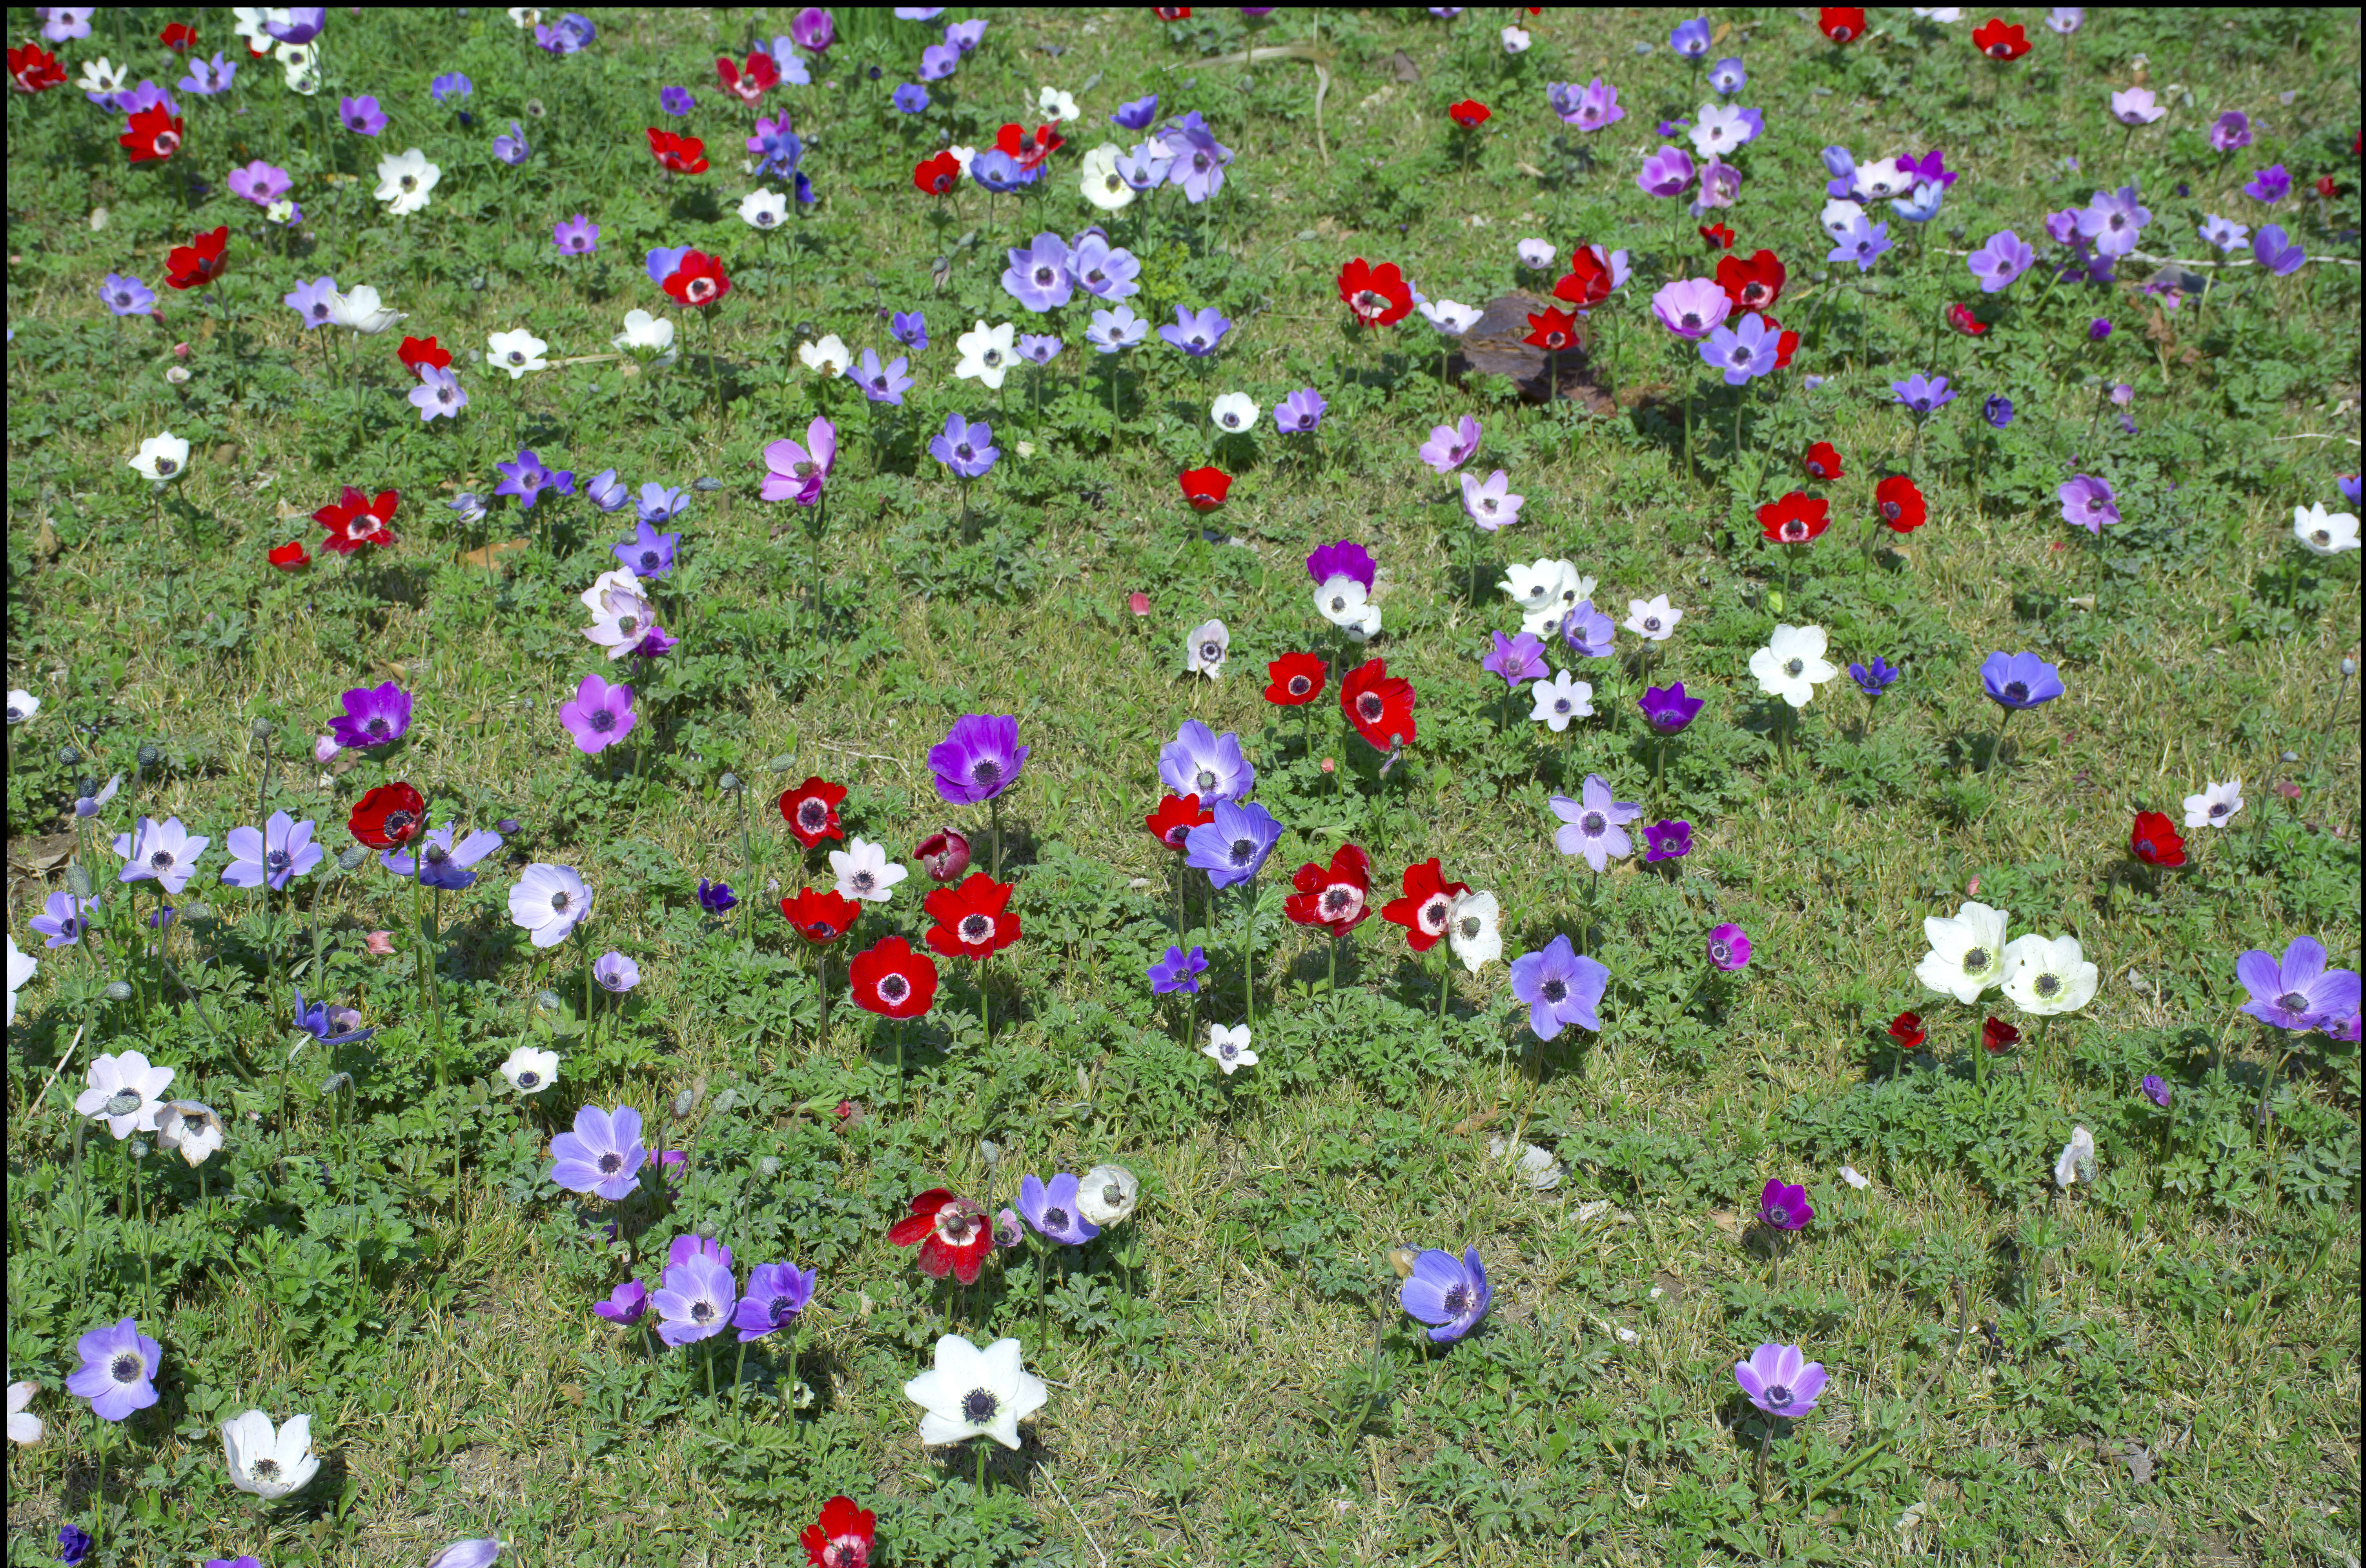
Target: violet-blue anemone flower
[(1197, 332), (163, 852), (1233, 848), (1300, 412), (647, 553), (965, 36), (1931, 167), (1727, 76), (777, 148), (1137, 115), (2088, 502), (625, 1304), (909, 327), (882, 383), (997, 172), (1861, 242), (1923, 396), (1874, 678), (607, 492), (571, 34), (1841, 164), (361, 115), (1590, 107), (1587, 631), (2000, 261), (2347, 484), (910, 98), (776, 1293), (438, 395), (1784, 1206), (512, 148), (450, 88), (118, 1369), (938, 60), (717, 898), (1113, 332), (205, 78), (126, 295), (1199, 762), (1690, 39), (1448, 1292), (694, 1300), (965, 446), (576, 236), (329, 1027), (295, 23), (1998, 411), (1037, 276), (2270, 185), (74, 1544), (1668, 710), (315, 301), (1145, 169), (2231, 132), (374, 716), (1177, 970), (1720, 186), (442, 864), (599, 715), (615, 972), (528, 480), (1667, 840), (660, 503), (1103, 270), (1744, 353), (1051, 1208), (1666, 173), (1919, 204), (1198, 158), (2020, 680), (1729, 947), (2155, 1090), (1560, 987), (1594, 823), (676, 101), (603, 1156), (65, 917), (2297, 992), (2275, 252), (1517, 660), (2113, 220), (978, 759), (1780, 1381), (1348, 559), (271, 856), (1037, 348), (2223, 233)]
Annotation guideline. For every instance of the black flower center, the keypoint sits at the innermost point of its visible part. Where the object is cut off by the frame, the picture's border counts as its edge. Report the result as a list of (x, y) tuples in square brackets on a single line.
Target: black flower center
[(277, 860), (702, 1312), (1371, 708), (602, 721), (894, 988), (558, 902), (1777, 1396), (611, 1163), (2292, 1001), (1650, 623), (1055, 1220), (1298, 686), (2217, 808), (986, 770), (1554, 990), (1795, 667), (978, 1407), (1458, 1300), (1975, 960), (123, 1102), (1243, 850), (1338, 900), (2016, 690), (127, 1369), (166, 465), (992, 357), (976, 928), (529, 1079), (160, 861), (1721, 953), (1471, 926), (1432, 914), (812, 815), (2048, 985), (1594, 823)]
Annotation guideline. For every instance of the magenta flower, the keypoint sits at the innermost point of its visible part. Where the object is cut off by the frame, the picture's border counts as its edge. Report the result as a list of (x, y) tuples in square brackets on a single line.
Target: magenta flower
[(978, 759), (1345, 559), (813, 30), (259, 183), (2232, 132), (1517, 660), (599, 716), (1450, 447), (2000, 261), (374, 716), (361, 115), (578, 236), (1590, 107), (1666, 173), (1691, 308), (794, 473), (2088, 502), (1729, 947)]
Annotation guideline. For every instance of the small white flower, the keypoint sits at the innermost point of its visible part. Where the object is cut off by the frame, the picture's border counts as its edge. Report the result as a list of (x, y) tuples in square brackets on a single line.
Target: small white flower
[(1054, 104), (763, 210), (362, 310), (517, 351), (103, 76), (1792, 664), (1342, 601), (270, 1461), (1204, 648), (2325, 533), (961, 155), (1099, 181), (827, 358), (1107, 1196), (1966, 956), (122, 1091), (987, 354), (2215, 806), (1515, 40), (1849, 1174), (2077, 1161), (24, 1427), (2046, 975), (1449, 317), (22, 705), (1474, 930), (973, 1393), (864, 871), (191, 1129), (1234, 413), (1537, 254), (163, 457), (646, 334), (1945, 16), (404, 179), (525, 17), (1840, 217), (1880, 179), (531, 1071), (1560, 700), (1654, 620), (1228, 1048), (548, 900)]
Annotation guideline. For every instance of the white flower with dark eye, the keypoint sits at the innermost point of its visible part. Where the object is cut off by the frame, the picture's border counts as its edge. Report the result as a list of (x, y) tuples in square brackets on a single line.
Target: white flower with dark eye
[(1102, 184), (516, 351), (973, 1393), (24, 1427), (1055, 104), (646, 334), (404, 179), (1654, 620), (530, 1071), (2215, 806), (123, 1091), (1449, 317), (2322, 532), (22, 705), (763, 210), (1474, 930), (161, 458), (826, 358), (1966, 954), (1792, 664), (270, 1461), (1204, 648), (22, 966), (864, 871), (191, 1129), (1545, 591), (2077, 1160), (987, 354), (1561, 700), (1234, 413), (362, 310), (1840, 218), (2046, 975), (1879, 181), (1107, 1196), (1228, 1048)]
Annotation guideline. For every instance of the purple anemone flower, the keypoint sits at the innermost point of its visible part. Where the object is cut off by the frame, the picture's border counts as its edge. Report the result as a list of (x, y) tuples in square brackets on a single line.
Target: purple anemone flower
[(2113, 220), (259, 183), (2000, 261), (1105, 271), (1197, 332), (1037, 348), (1199, 762), (1450, 446), (1051, 1208), (663, 503), (1875, 678), (2155, 1090), (296, 24), (1595, 824), (625, 1304), (577, 236), (571, 34), (127, 295), (607, 492), (1517, 660), (1198, 158), (910, 98), (676, 101), (63, 918), (1667, 840), (1348, 559), (118, 1369), (1780, 1381), (882, 383), (1590, 107), (1587, 631), (2277, 252), (615, 972), (598, 716), (1729, 947), (694, 1300), (1560, 987), (270, 856), (967, 447), (2020, 680), (2297, 992), (1691, 308), (374, 716), (1177, 970), (997, 172), (1861, 242), (776, 1293), (1448, 1292), (1137, 115), (1666, 173), (1038, 278), (1691, 39), (444, 865), (1998, 411), (2270, 185), (978, 759), (647, 553), (1668, 711), (438, 394), (450, 88), (812, 30), (1726, 77), (604, 1154), (1744, 353), (512, 148), (965, 36), (527, 479), (2088, 502), (717, 898), (938, 60), (331, 1027), (1784, 1208), (361, 115), (1923, 395), (910, 329), (2232, 132), (1233, 848), (205, 78), (1298, 414), (313, 301)]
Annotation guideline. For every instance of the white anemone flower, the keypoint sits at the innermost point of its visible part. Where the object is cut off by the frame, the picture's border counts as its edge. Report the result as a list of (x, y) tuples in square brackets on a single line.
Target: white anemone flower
[(1234, 413), (763, 210), (1342, 601), (24, 1427), (124, 1092), (270, 1461), (1850, 1175), (1840, 217), (827, 358), (103, 76), (973, 1393), (1966, 956), (163, 458), (1561, 700), (864, 871), (1107, 1196), (1792, 664), (531, 1071), (1880, 179), (1228, 1048), (1515, 40), (548, 900), (1447, 315), (2077, 1160), (1055, 104), (1204, 648), (404, 179), (22, 705), (2325, 533), (2046, 975), (646, 334), (517, 351), (987, 354), (1474, 930), (1654, 620), (191, 1129), (1099, 181), (2215, 806), (362, 310)]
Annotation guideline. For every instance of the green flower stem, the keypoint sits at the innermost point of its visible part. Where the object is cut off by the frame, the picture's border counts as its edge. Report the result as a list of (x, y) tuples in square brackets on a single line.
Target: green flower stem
[(1248, 949)]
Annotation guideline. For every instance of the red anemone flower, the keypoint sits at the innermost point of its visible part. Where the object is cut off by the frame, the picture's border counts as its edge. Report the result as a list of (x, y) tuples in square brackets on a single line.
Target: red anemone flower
[(1174, 818), (388, 817), (1899, 504), (1380, 705), (416, 352), (1717, 236), (682, 155), (811, 810), (750, 84), (1908, 1031), (1336, 898), (355, 520), (1842, 23), (2156, 841), (820, 917), (1999, 1037), (1794, 520), (178, 37), (1205, 489), (697, 280), (290, 556), (973, 919), (1422, 911), (1752, 285), (1999, 40), (891, 979), (952, 1234), (1960, 316), (1470, 114), (2326, 187), (939, 175), (1295, 678), (199, 262), (1030, 147), (1822, 462), (1587, 282), (154, 136), (33, 69), (1785, 344), (1552, 331), (1375, 296), (843, 1538), (1171, 13)]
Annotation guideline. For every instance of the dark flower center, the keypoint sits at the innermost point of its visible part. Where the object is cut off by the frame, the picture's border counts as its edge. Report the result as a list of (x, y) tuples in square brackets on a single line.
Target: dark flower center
[(160, 861), (863, 881), (1471, 926), (782, 1307), (702, 1312), (1562, 705), (611, 1163), (1795, 667), (127, 1369), (894, 988), (1432, 914), (976, 928), (277, 860), (1458, 1300), (1778, 1217), (992, 357), (2016, 690), (1298, 686), (2217, 808), (1243, 850), (986, 771), (1211, 653), (2048, 985), (1044, 277), (436, 854), (1975, 960), (964, 451), (1338, 902), (529, 1079), (1055, 1220), (1778, 1395), (2292, 1001), (123, 1102), (812, 815), (978, 1407), (651, 560), (1594, 822), (166, 465), (602, 721), (265, 1469), (1371, 708), (1721, 953), (558, 902), (1650, 623), (1554, 990), (2321, 537)]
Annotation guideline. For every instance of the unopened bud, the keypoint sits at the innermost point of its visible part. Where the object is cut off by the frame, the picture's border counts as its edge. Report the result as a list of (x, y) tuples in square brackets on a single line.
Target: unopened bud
[(1402, 1259), (146, 756), (78, 880), (709, 485), (351, 857), (943, 855), (768, 1166), (2348, 664), (549, 1001), (69, 757), (139, 1149), (506, 825), (728, 783), (335, 1083), (725, 1101), (684, 1103), (260, 729), (118, 990)]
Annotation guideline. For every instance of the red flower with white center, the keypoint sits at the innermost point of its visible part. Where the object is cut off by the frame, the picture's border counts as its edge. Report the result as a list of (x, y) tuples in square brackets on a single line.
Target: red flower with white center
[(199, 262), (1906, 1030), (1171, 13), (33, 69), (1030, 147), (1176, 817), (1587, 282), (1960, 316), (154, 136), (2156, 841), (1999, 1037), (697, 280), (1899, 504), (1794, 520), (355, 520), (1428, 898), (843, 1538), (178, 37), (1295, 678), (417, 351), (1822, 462), (290, 556), (811, 810), (889, 978), (1999, 40), (388, 817), (1375, 296), (973, 919), (1470, 114), (1552, 331), (1380, 705), (820, 917), (1842, 23), (1336, 898), (751, 83), (680, 154), (1718, 237), (1205, 489), (1752, 285), (952, 1234), (937, 175)]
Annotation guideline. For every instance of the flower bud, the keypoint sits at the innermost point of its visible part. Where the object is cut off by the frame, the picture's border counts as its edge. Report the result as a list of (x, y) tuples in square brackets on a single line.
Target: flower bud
[(943, 855), (549, 1001), (78, 880), (324, 749), (725, 1101), (335, 1083), (728, 783), (1402, 1259), (260, 729), (506, 825), (684, 1103), (768, 1166), (118, 990), (69, 757), (2349, 665), (139, 1149), (707, 485), (147, 756), (351, 857)]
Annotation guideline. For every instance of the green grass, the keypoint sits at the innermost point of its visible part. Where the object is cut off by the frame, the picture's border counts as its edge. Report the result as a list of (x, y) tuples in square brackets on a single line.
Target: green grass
[(1232, 1380)]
